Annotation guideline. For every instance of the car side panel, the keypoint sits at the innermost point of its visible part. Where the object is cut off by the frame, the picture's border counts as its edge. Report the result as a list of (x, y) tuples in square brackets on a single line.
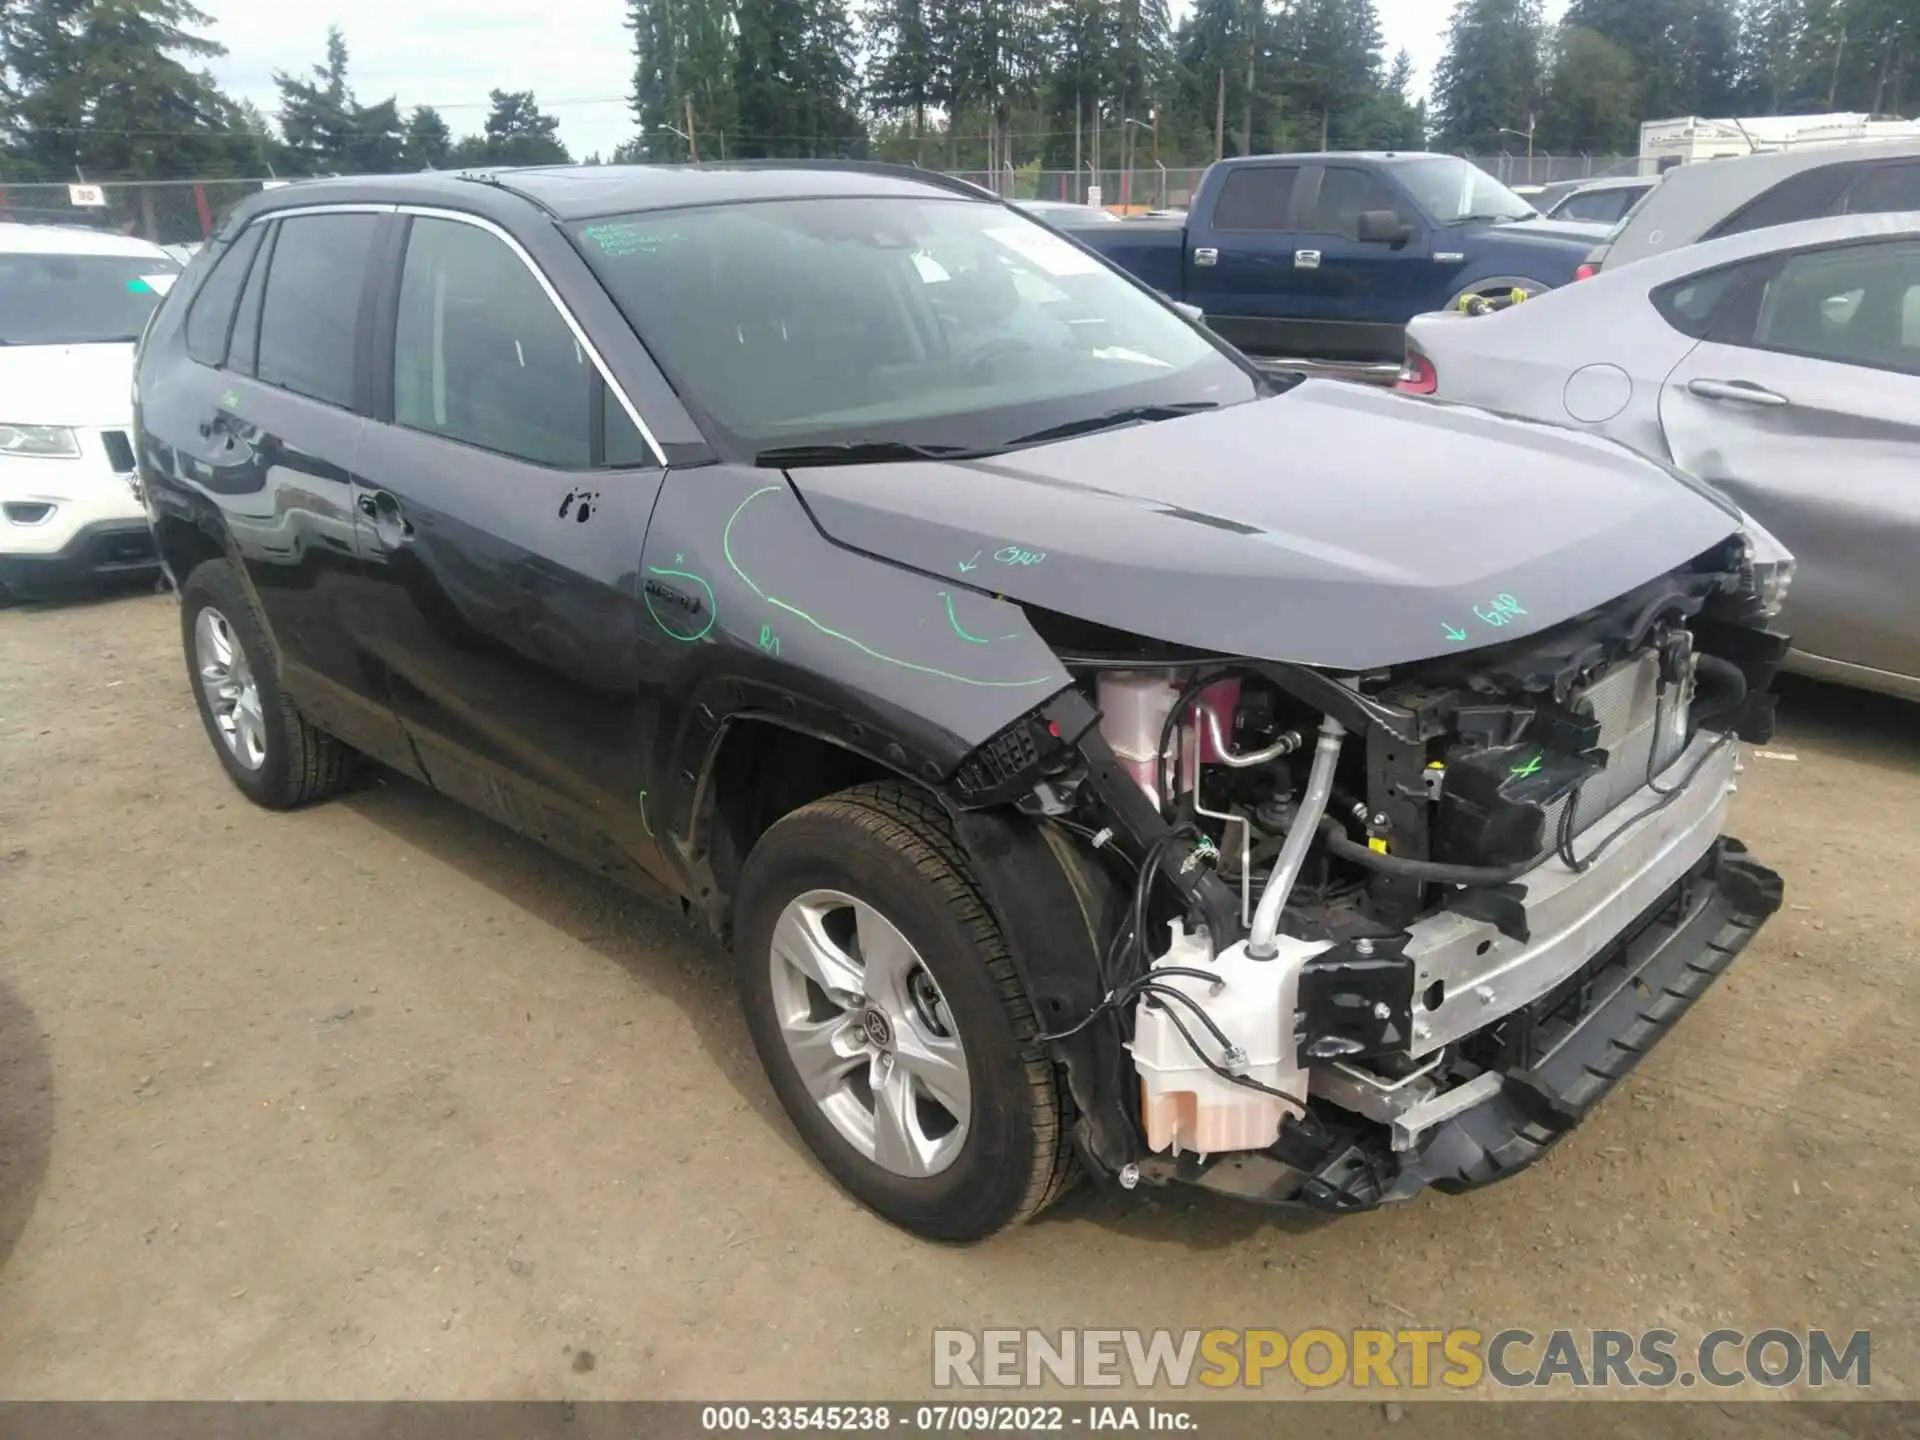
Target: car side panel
[(1832, 474), (267, 477), (750, 610)]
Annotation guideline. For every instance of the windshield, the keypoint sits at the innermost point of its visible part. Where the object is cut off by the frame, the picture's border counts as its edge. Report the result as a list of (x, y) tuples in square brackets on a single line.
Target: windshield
[(79, 299), (913, 321), (1451, 189)]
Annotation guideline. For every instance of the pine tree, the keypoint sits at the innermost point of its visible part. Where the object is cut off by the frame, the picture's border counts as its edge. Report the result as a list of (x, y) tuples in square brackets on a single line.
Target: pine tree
[(1590, 89), (428, 140), (903, 69), (325, 127), (1336, 60), (1489, 79), (517, 133)]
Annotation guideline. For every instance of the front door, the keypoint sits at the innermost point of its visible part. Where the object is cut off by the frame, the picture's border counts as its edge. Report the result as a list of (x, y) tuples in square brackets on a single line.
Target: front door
[(1358, 294), (508, 495), (1803, 404)]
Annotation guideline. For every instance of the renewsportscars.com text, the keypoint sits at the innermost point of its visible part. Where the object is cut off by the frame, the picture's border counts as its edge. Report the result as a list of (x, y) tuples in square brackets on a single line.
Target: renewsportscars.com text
[(1457, 1359)]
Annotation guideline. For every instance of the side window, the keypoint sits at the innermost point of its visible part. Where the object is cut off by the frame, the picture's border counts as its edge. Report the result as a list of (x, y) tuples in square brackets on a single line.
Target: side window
[(212, 313), (481, 356), (1690, 305), (309, 317), (1346, 195), (1854, 304), (1810, 195), (243, 348), (1257, 197), (1886, 189), (1601, 206)]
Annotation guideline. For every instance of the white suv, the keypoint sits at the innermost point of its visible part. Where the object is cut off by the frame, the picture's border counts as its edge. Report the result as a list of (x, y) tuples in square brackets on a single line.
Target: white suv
[(72, 305)]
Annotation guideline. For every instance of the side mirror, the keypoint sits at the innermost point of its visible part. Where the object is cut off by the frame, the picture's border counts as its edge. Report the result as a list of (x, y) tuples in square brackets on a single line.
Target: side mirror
[(1192, 312), (1382, 227)]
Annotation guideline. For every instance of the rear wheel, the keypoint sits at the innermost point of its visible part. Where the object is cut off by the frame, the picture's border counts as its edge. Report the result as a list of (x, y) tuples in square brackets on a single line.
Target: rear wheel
[(886, 1011), (266, 746)]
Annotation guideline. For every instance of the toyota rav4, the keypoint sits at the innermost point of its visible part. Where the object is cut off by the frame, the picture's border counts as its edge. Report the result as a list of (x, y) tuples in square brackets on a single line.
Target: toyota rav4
[(1098, 757)]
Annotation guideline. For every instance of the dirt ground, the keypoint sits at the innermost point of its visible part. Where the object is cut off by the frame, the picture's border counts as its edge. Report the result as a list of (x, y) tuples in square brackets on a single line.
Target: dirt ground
[(379, 1101)]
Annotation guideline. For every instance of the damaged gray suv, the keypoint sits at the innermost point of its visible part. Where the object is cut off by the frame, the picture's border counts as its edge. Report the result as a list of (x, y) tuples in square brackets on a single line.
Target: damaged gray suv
[(1099, 757)]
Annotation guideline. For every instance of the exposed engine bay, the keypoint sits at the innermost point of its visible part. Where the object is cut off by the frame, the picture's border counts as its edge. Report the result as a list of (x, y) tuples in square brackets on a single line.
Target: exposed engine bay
[(1381, 931)]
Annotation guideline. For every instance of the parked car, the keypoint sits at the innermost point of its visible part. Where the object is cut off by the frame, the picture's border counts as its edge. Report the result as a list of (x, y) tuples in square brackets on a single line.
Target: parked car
[(1710, 199), (1065, 212), (1602, 202), (1091, 751), (1781, 365), (1327, 257), (72, 303)]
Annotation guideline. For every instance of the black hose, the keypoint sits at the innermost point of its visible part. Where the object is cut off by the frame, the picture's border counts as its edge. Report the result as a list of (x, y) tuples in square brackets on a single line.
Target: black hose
[(1195, 689), (1427, 872), (1731, 676)]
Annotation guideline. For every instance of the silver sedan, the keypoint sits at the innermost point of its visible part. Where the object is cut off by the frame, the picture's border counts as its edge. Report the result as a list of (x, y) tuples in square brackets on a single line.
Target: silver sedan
[(1783, 367)]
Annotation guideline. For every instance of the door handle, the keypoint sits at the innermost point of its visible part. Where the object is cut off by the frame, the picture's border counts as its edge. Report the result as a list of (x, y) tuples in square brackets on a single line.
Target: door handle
[(1740, 392), (1206, 255), (1306, 259)]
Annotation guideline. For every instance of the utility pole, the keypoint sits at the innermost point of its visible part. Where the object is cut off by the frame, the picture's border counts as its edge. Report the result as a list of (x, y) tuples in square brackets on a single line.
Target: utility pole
[(1253, 42), (1076, 143), (693, 145), (1220, 118)]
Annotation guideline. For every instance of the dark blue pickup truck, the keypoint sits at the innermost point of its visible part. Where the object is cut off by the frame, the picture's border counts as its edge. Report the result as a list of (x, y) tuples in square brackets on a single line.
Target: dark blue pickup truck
[(1327, 257)]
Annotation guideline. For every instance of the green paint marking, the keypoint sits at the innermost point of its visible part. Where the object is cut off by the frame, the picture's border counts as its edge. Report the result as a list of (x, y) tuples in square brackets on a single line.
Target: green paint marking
[(643, 815), (769, 641), (726, 546), (139, 287), (1453, 634), (1532, 767), (230, 400), (1500, 611), (954, 621), (973, 564), (713, 609)]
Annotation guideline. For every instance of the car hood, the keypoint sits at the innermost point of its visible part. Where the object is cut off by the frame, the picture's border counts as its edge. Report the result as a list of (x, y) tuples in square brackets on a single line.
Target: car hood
[(75, 385), (1558, 234), (1334, 525)]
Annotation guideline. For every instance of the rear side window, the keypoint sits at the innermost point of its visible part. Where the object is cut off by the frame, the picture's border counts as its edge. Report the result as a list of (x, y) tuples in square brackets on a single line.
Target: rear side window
[(1601, 206), (482, 356), (1258, 197), (211, 317), (1346, 195), (1810, 195), (309, 317), (1691, 305), (1886, 189), (243, 345), (1855, 304)]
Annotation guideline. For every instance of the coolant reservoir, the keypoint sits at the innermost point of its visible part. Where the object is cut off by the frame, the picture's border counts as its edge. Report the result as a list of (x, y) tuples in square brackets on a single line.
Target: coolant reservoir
[(1134, 705), (1184, 1105)]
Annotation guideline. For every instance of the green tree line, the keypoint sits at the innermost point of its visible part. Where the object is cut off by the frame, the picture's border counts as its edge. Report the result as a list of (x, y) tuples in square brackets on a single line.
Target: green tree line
[(110, 89), (1586, 84)]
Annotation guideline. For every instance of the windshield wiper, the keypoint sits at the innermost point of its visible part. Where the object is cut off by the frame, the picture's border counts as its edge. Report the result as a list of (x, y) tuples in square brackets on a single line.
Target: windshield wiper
[(1110, 419), (859, 452)]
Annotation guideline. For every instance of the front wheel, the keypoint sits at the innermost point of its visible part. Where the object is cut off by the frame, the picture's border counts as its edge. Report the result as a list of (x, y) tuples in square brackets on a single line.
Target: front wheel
[(890, 1021), (268, 749)]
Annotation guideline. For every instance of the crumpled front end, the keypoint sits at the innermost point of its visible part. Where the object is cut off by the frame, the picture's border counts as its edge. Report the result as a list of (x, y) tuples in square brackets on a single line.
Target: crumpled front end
[(1369, 933)]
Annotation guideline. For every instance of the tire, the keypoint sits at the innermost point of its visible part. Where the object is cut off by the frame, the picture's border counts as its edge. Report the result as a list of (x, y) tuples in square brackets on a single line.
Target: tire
[(889, 849), (293, 763)]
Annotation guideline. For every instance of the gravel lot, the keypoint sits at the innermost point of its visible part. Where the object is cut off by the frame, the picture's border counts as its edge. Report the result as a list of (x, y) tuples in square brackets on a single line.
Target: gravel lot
[(379, 1101)]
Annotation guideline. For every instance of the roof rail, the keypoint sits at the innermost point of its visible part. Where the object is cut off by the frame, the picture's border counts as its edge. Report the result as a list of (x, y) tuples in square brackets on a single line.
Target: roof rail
[(860, 167)]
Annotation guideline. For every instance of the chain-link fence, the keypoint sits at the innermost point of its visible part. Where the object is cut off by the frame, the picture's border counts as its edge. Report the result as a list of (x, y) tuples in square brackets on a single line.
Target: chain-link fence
[(167, 212), (171, 212)]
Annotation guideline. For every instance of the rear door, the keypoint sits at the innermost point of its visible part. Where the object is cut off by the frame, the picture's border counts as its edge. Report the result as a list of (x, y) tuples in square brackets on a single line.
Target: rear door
[(1240, 264), (1803, 403), (1358, 294), (507, 495), (263, 419)]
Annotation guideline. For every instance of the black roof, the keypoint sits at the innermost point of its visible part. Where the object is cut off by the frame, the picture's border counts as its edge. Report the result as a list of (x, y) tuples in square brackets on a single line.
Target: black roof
[(580, 192)]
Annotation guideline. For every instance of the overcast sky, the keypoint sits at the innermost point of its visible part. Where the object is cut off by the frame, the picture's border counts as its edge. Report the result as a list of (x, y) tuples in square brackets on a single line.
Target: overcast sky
[(575, 55)]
